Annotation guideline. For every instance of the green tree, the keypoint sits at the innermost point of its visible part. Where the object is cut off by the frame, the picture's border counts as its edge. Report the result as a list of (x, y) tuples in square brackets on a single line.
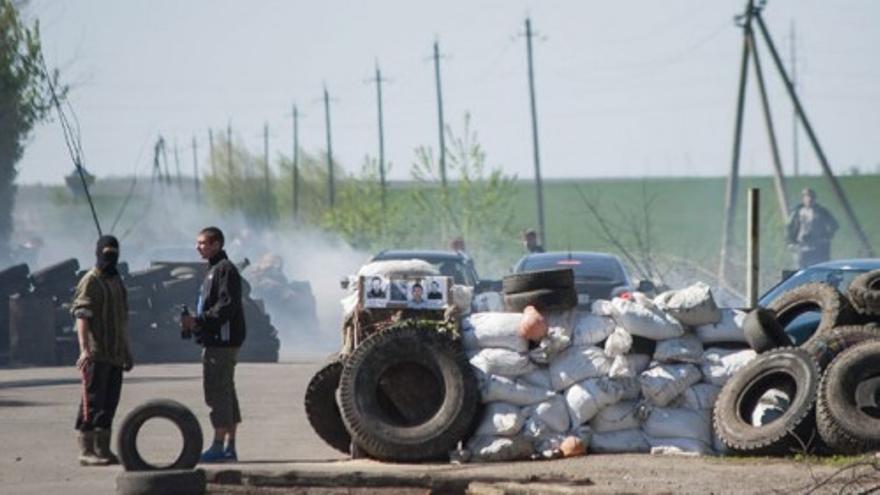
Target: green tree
[(25, 99), (476, 204)]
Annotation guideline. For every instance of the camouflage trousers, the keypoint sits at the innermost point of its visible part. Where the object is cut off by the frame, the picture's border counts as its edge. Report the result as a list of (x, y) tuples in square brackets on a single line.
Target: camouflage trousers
[(218, 367)]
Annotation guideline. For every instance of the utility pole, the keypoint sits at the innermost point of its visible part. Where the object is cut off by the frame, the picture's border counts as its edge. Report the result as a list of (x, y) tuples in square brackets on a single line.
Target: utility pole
[(794, 113), (177, 165), (441, 123), (211, 150), (295, 162), (232, 198), (195, 148), (378, 80), (331, 187), (539, 188), (732, 189), (269, 203)]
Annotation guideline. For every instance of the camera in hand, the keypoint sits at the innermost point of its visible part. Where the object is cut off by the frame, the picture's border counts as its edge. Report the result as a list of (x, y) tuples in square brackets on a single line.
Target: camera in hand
[(185, 333)]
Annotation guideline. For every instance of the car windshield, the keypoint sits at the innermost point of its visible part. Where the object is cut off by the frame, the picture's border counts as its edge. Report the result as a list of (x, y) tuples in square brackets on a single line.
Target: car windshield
[(598, 269), (835, 277)]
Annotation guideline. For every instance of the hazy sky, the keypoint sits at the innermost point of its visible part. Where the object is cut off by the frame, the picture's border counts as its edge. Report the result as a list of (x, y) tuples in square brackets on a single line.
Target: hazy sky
[(625, 88)]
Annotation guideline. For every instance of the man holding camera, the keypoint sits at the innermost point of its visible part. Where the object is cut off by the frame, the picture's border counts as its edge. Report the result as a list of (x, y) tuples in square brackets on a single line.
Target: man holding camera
[(220, 327)]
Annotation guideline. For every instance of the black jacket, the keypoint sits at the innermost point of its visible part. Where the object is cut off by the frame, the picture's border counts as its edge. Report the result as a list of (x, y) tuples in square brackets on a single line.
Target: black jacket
[(220, 319)]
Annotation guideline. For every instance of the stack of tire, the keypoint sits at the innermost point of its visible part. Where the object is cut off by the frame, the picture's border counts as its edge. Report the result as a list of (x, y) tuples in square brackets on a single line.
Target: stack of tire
[(142, 477), (13, 280), (830, 383), (546, 290), (405, 394)]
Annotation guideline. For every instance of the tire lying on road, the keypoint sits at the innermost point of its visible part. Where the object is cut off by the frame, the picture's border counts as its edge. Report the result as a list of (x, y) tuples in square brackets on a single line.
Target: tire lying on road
[(848, 413), (864, 293), (408, 394), (789, 370), (321, 409), (173, 411), (833, 342), (540, 279), (835, 309), (763, 331), (175, 482), (542, 299)]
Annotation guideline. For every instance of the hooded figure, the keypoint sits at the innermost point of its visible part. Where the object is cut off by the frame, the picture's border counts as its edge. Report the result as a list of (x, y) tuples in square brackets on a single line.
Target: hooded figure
[(100, 308)]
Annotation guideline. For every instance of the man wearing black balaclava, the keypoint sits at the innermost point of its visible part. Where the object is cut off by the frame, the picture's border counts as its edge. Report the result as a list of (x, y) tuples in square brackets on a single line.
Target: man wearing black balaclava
[(100, 308)]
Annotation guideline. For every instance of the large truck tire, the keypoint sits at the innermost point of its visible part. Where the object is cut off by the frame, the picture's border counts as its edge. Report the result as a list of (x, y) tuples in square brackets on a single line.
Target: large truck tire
[(825, 348), (322, 410), (542, 299), (63, 272), (791, 370), (176, 482), (848, 413), (540, 279), (14, 279), (763, 331), (173, 411), (408, 394), (864, 293), (834, 307)]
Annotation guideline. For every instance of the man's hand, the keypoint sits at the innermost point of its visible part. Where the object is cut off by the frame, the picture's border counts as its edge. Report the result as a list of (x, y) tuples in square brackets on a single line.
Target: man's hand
[(85, 357), (187, 322)]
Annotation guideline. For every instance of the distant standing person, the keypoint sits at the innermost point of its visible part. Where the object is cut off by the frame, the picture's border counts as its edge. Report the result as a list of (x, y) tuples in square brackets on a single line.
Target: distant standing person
[(530, 241), (100, 308), (810, 230), (220, 327), (457, 244)]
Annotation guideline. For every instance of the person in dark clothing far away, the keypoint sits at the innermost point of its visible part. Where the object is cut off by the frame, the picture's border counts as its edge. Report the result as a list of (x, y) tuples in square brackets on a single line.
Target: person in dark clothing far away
[(810, 230), (530, 241), (220, 327), (100, 308)]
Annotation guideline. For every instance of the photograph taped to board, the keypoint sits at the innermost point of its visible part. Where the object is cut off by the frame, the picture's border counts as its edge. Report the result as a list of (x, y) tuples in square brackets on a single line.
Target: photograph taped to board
[(423, 292)]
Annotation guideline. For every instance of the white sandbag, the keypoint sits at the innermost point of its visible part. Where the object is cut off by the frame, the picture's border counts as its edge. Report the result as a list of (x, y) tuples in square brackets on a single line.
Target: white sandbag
[(701, 396), (771, 405), (586, 398), (718, 446), (679, 446), (691, 306), (391, 268), (558, 339), (488, 302), (500, 419), (601, 307), (498, 449), (668, 422), (663, 383), (729, 329), (495, 388), (502, 362), (463, 298), (539, 377), (632, 387), (553, 413), (576, 364), (495, 330), (620, 416), (629, 365), (619, 442), (618, 343), (719, 365), (590, 329), (684, 349), (640, 317)]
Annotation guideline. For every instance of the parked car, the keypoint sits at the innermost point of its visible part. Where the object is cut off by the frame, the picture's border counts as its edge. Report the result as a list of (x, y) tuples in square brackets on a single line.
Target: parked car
[(838, 273), (596, 275)]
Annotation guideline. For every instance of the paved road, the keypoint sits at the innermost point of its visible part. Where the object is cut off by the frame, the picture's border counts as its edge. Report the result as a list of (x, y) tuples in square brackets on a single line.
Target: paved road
[(38, 449), (38, 405)]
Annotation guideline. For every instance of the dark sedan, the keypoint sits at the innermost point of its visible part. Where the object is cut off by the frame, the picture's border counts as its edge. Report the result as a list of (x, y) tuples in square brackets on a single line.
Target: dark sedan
[(596, 275)]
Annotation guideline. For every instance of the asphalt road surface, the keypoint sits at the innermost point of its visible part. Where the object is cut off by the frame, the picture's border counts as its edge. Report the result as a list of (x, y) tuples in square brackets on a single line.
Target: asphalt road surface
[(38, 452)]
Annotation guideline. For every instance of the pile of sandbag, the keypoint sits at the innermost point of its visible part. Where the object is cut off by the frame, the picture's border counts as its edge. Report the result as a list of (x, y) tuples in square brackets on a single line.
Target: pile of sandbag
[(631, 375)]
